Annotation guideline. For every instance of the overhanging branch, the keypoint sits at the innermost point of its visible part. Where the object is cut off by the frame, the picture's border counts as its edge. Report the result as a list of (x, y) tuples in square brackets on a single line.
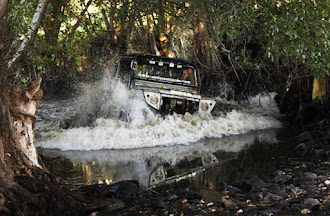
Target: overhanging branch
[(32, 28)]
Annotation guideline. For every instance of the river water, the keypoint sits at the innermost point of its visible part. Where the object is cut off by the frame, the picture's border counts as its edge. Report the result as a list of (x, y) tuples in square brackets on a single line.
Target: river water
[(90, 142)]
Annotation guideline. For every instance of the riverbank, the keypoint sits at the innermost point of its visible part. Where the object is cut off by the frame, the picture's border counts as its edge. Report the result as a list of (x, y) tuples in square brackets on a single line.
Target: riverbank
[(300, 186), (294, 180)]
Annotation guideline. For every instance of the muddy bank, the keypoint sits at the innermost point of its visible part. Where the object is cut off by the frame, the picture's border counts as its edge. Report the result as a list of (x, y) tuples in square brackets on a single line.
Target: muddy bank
[(300, 186)]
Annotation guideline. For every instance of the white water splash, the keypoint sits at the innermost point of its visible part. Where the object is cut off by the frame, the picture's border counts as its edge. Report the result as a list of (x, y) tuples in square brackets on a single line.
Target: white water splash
[(169, 154), (108, 100), (140, 163)]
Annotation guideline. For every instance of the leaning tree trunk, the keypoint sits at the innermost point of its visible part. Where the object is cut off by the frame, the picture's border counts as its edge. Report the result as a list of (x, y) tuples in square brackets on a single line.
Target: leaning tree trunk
[(17, 150), (26, 188), (20, 116)]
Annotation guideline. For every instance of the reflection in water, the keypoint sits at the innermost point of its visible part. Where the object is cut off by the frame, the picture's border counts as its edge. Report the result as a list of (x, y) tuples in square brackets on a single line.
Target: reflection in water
[(151, 166)]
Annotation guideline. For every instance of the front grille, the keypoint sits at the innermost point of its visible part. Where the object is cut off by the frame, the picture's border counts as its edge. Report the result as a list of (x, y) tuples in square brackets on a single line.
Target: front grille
[(179, 106)]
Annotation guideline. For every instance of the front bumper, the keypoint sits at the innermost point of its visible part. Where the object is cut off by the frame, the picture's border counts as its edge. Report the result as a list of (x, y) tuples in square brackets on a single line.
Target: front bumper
[(169, 101)]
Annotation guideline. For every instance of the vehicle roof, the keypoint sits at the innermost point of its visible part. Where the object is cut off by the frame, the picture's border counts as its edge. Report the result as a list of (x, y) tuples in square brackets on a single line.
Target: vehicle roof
[(138, 56)]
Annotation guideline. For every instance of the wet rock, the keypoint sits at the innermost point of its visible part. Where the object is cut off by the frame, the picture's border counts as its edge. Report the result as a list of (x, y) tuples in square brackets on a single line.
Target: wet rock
[(272, 198), (77, 195), (122, 190), (305, 136), (172, 197), (126, 189), (270, 211), (282, 193), (301, 148), (327, 137), (312, 202), (305, 211), (308, 176), (220, 204), (297, 200), (196, 201), (211, 196), (293, 161), (280, 176), (256, 183), (96, 190), (312, 191), (105, 205), (242, 185), (325, 206), (189, 195), (239, 195), (311, 144), (240, 211), (320, 153), (232, 190), (327, 153), (229, 204), (281, 179), (278, 173), (255, 197), (158, 204)]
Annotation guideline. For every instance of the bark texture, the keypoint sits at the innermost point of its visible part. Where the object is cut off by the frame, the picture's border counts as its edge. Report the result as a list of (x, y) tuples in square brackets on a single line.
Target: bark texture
[(21, 115), (17, 150), (26, 188)]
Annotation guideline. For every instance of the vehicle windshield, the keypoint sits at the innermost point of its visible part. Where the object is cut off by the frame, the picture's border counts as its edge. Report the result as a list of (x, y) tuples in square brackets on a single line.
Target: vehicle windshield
[(166, 72)]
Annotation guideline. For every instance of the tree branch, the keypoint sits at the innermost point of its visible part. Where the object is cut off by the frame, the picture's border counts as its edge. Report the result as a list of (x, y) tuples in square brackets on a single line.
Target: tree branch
[(79, 19), (32, 28)]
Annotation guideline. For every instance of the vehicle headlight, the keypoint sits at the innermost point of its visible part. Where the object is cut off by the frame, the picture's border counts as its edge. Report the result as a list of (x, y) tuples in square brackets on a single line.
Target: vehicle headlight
[(154, 99), (204, 106)]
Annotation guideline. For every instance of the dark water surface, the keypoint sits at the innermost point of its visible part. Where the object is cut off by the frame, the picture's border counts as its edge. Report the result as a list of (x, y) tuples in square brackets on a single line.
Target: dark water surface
[(209, 162)]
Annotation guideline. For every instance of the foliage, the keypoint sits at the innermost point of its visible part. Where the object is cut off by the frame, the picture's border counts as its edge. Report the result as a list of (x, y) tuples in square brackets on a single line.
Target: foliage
[(243, 42)]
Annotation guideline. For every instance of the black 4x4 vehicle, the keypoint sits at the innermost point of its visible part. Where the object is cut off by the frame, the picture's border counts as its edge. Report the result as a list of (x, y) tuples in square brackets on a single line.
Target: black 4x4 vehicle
[(168, 84)]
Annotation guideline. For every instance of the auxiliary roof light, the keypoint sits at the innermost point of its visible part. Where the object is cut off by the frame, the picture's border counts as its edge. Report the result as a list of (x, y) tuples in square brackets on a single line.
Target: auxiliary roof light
[(160, 63), (179, 66), (152, 61), (171, 64)]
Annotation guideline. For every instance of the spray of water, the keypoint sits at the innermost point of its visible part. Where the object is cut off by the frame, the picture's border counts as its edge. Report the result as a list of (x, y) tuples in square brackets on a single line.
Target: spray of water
[(109, 116)]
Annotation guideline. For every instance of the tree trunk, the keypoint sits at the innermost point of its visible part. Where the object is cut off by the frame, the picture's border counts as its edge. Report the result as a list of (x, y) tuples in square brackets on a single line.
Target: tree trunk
[(23, 107), (151, 35), (3, 8), (3, 35), (26, 188), (52, 27), (17, 151)]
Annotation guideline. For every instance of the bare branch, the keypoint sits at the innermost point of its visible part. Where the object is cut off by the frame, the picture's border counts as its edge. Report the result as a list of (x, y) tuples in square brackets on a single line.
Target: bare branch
[(32, 28)]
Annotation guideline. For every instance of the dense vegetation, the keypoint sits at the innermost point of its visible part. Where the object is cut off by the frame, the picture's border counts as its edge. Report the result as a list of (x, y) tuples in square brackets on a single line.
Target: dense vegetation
[(248, 44), (252, 46)]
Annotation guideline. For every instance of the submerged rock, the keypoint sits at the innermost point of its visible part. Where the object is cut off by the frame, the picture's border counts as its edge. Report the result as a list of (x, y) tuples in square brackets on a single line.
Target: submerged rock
[(305, 136)]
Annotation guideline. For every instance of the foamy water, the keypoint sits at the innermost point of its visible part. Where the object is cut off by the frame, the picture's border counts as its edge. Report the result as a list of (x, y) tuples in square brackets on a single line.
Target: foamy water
[(169, 154), (98, 124)]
